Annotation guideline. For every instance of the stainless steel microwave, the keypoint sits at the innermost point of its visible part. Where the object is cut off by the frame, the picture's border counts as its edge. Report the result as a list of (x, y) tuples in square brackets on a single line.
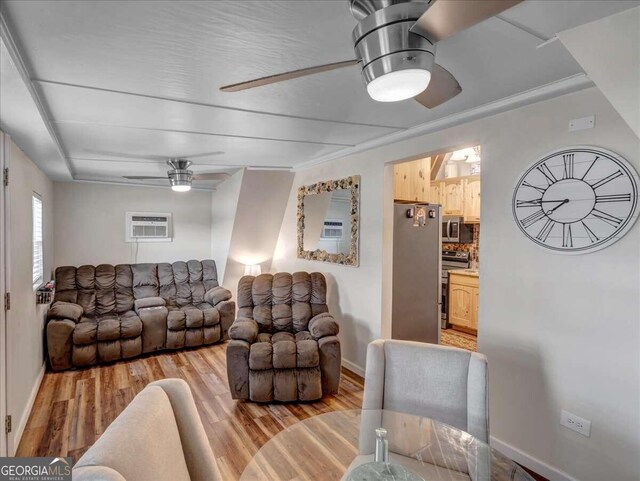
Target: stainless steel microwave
[(454, 230)]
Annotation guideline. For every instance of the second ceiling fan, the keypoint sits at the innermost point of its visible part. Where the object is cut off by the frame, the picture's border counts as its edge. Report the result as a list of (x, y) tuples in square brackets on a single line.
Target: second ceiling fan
[(395, 45)]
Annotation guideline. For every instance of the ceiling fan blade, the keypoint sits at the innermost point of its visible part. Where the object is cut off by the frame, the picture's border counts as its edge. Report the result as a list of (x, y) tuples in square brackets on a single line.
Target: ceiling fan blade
[(211, 176), (142, 177), (443, 87), (445, 18), (271, 79)]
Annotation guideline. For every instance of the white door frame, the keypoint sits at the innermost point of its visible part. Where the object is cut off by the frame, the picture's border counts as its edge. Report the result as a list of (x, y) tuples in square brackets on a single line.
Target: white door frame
[(4, 282)]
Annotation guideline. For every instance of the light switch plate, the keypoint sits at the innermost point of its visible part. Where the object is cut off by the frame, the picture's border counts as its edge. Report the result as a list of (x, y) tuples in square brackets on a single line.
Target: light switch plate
[(583, 123)]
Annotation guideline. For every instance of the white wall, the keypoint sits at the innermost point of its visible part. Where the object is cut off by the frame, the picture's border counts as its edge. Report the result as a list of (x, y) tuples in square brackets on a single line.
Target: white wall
[(258, 218), (609, 52), (224, 204), (25, 325), (90, 224), (559, 331)]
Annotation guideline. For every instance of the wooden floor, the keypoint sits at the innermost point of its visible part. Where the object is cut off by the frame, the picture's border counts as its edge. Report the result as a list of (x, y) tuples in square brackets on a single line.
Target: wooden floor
[(73, 408)]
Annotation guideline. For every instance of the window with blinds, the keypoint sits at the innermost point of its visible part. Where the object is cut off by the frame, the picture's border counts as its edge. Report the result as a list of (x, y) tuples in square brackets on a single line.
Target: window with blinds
[(38, 258)]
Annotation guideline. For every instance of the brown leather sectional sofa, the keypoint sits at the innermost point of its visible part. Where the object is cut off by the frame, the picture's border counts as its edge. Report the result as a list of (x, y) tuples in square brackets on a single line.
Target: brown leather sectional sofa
[(106, 313), (284, 343)]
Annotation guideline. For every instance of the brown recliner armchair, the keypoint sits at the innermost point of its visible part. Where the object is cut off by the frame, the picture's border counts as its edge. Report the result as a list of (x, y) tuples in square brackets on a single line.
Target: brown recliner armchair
[(106, 313), (283, 345)]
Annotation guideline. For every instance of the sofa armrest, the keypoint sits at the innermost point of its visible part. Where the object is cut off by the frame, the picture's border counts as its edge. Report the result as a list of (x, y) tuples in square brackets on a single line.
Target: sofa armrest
[(244, 329), (148, 302), (65, 310), (323, 325), (201, 462), (216, 295)]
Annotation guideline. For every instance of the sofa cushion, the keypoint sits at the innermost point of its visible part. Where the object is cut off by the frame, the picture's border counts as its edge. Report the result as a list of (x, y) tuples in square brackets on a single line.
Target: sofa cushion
[(211, 314), (176, 320), (307, 353), (65, 310), (244, 330), (217, 295), (108, 329), (282, 287), (85, 332), (261, 290), (282, 336), (130, 326), (323, 325), (303, 336), (284, 354), (260, 356), (194, 316), (145, 280), (87, 299), (86, 277)]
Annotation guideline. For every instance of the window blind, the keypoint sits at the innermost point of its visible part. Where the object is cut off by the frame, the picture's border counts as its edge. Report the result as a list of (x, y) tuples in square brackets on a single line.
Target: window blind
[(38, 258)]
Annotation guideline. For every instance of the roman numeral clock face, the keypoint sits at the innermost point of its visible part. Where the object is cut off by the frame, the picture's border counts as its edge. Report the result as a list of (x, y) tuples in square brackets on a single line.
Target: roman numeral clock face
[(577, 200)]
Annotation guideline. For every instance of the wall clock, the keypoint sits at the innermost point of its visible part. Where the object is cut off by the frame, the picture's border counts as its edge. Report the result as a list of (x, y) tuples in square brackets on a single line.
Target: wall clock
[(577, 199)]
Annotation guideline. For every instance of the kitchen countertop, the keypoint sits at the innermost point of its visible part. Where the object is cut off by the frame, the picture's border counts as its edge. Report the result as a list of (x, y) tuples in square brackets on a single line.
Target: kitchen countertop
[(465, 272)]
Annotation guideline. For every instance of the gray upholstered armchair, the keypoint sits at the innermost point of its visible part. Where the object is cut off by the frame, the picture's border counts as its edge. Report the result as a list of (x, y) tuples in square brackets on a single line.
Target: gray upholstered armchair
[(442, 383), (284, 344)]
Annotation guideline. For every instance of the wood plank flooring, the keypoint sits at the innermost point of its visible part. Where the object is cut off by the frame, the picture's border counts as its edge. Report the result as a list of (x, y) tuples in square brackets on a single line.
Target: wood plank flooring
[(73, 408)]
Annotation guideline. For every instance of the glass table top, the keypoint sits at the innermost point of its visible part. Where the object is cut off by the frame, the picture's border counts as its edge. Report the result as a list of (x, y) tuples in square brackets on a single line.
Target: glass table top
[(340, 446)]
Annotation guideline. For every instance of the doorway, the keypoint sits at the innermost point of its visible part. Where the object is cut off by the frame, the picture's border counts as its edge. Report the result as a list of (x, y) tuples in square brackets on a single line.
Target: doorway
[(4, 238), (448, 183)]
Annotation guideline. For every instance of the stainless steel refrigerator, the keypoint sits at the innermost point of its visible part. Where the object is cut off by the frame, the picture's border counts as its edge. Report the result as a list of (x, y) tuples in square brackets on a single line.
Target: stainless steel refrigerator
[(417, 265)]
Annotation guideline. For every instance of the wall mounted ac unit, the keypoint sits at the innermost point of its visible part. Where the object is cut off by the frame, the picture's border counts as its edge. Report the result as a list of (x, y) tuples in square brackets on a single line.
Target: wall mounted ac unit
[(148, 227), (332, 229)]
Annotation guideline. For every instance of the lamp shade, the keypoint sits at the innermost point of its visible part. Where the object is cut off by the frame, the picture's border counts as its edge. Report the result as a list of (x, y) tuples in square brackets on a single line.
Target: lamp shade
[(252, 270)]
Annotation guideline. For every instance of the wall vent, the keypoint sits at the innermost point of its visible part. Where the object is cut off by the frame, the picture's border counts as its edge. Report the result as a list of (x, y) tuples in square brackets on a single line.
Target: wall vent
[(148, 227)]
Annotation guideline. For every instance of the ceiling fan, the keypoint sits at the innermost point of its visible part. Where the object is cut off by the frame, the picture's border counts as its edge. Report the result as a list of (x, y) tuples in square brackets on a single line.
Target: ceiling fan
[(395, 44), (180, 177)]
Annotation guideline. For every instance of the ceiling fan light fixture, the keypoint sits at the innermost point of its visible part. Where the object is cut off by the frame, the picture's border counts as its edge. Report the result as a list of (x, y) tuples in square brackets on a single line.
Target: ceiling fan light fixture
[(180, 179), (399, 85), (181, 188)]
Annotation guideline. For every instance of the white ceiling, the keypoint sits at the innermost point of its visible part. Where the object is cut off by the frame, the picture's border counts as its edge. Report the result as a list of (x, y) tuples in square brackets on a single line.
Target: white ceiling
[(120, 80)]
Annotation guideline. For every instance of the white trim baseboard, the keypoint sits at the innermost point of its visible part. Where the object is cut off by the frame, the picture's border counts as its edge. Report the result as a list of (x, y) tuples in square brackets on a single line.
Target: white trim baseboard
[(353, 367), (534, 464), (27, 412)]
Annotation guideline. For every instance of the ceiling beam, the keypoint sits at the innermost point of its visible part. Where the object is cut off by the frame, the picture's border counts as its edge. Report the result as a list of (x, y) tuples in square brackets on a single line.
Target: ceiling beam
[(195, 132), (436, 164), (216, 106)]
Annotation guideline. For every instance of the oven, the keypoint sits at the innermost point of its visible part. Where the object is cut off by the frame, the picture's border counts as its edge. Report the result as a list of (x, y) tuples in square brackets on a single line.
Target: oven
[(451, 260), (454, 230)]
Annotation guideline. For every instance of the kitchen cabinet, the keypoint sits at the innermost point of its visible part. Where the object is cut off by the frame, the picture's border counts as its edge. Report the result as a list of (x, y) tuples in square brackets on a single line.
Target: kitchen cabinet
[(435, 193), (412, 180), (471, 203), (463, 301), (453, 198)]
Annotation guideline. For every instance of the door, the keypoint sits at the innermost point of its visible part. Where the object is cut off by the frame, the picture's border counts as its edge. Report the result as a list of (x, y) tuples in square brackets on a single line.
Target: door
[(4, 238), (435, 191), (453, 198), (462, 300), (416, 293), (472, 200)]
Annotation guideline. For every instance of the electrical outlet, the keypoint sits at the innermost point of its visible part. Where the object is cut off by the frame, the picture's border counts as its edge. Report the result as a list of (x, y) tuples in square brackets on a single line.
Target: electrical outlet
[(575, 423)]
